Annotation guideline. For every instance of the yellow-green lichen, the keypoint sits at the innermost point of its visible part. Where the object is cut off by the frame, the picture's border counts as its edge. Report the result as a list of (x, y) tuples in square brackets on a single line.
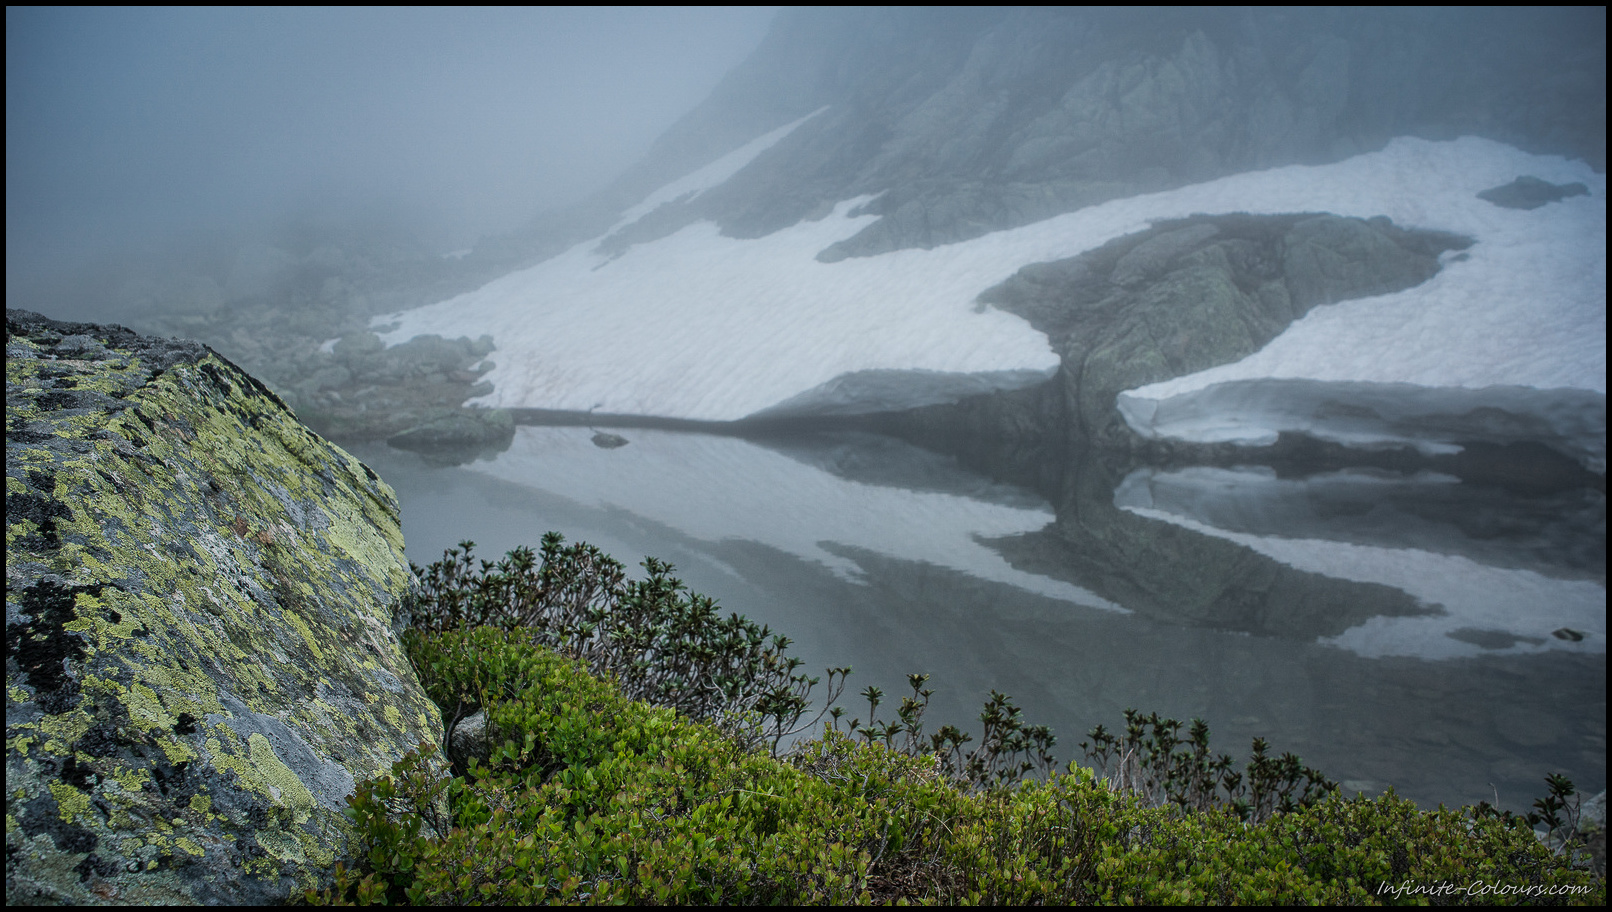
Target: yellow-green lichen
[(284, 783), (145, 707), (133, 780), (176, 751), (307, 634), (71, 801), (64, 728), (242, 553), (187, 844)]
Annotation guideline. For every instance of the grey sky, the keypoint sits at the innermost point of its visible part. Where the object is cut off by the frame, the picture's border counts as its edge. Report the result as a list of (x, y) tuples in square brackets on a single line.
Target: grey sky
[(128, 128)]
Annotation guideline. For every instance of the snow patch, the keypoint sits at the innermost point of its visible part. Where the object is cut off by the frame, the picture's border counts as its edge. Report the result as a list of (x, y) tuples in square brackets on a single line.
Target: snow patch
[(712, 175), (1516, 326), (696, 325), (1370, 415)]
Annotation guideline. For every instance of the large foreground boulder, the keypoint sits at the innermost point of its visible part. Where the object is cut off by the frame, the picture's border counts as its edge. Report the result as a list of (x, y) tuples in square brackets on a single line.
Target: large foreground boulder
[(200, 658)]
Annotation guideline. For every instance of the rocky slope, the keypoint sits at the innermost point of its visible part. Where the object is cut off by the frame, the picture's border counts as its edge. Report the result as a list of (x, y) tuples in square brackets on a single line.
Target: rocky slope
[(971, 121), (200, 660)]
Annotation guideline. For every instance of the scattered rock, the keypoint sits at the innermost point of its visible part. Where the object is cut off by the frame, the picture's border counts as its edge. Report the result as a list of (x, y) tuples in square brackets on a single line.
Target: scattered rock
[(469, 741), (411, 394)]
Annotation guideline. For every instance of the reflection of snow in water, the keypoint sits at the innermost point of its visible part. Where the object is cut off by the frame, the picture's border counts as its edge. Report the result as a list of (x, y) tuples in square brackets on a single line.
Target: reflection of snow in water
[(715, 488), (1507, 610)]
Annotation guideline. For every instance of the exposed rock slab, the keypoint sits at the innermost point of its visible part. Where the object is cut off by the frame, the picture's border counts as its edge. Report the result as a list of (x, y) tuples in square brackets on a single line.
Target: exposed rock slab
[(1181, 297), (200, 653)]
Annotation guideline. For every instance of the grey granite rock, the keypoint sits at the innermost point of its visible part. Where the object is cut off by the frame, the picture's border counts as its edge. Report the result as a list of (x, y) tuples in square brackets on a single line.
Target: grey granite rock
[(200, 658), (1193, 294)]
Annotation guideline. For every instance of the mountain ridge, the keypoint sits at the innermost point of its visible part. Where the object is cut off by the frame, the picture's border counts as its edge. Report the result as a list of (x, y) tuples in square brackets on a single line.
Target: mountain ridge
[(973, 121)]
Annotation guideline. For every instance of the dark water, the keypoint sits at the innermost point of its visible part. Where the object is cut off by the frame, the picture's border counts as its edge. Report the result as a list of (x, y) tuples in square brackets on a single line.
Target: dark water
[(1390, 629)]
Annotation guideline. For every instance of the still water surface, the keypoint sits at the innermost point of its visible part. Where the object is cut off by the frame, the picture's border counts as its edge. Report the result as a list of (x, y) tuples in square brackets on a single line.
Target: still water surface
[(1389, 629)]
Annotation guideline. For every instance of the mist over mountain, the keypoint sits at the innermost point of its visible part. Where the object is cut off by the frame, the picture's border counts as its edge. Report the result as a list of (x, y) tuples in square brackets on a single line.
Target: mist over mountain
[(943, 332), (969, 120), (842, 226), (893, 209), (145, 143)]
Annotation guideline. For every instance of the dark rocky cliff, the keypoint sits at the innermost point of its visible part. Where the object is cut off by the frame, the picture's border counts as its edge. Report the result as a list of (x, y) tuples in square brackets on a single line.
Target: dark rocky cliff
[(971, 121)]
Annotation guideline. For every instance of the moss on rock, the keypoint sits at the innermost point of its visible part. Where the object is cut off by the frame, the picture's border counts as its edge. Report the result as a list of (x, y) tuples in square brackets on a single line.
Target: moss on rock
[(200, 654)]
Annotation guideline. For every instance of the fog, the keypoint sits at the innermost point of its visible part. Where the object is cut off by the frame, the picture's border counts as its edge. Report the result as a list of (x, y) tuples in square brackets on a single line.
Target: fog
[(136, 136), (1362, 249)]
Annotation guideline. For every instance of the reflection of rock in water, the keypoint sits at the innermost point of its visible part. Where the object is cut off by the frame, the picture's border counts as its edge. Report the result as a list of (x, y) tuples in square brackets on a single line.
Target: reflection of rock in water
[(1179, 576), (876, 459), (1166, 572), (1170, 573), (606, 441), (1557, 533), (1437, 731)]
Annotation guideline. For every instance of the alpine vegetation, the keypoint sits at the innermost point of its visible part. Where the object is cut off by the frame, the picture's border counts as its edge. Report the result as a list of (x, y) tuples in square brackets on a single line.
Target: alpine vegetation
[(580, 794)]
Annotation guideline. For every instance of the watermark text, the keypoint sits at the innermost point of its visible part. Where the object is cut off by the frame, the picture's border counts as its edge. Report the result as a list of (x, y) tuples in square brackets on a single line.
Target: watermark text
[(1479, 888)]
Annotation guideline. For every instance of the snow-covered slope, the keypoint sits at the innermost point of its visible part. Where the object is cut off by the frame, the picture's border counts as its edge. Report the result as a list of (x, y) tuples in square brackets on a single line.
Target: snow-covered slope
[(697, 325), (1507, 342)]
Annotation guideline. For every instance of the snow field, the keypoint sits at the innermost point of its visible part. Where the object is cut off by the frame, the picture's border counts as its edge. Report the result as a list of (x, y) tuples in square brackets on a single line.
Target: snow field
[(701, 326)]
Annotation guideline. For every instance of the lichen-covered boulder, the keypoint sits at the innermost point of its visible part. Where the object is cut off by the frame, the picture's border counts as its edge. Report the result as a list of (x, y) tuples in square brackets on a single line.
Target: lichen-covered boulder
[(200, 658)]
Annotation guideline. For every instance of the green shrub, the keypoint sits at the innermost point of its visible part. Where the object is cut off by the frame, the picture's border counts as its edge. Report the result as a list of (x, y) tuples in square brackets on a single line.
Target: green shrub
[(658, 641), (612, 779), (593, 797), (1144, 761)]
